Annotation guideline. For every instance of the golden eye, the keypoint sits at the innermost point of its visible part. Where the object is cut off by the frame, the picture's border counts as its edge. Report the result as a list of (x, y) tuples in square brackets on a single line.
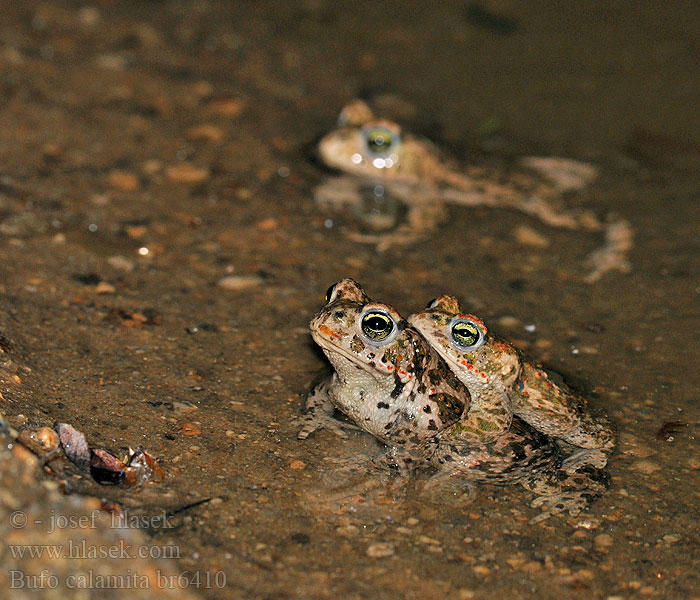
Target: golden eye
[(329, 292), (377, 326), (466, 334), (381, 140)]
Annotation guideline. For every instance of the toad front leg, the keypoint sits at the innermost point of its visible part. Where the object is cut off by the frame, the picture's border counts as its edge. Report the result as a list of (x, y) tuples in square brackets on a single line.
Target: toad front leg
[(319, 412)]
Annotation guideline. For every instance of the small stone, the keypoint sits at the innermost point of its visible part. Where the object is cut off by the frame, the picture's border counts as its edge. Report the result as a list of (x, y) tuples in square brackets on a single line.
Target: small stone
[(424, 539), (412, 521), (481, 570), (151, 166), (121, 263), (136, 232), (269, 224), (603, 540), (104, 288), (671, 538), (190, 429), (380, 550), (226, 107), (529, 237), (113, 62), (122, 180), (205, 133), (297, 464), (187, 173), (239, 282), (464, 594), (41, 440), (508, 322)]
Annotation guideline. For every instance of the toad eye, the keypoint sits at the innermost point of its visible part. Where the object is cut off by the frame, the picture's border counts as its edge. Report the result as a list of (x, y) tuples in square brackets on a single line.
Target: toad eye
[(377, 326), (330, 292), (381, 140), (466, 334)]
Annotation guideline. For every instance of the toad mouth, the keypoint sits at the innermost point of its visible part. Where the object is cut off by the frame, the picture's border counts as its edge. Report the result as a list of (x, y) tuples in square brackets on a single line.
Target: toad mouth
[(328, 345)]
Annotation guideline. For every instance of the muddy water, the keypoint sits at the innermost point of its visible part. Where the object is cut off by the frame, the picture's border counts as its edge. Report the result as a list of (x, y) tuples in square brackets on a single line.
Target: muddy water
[(149, 150)]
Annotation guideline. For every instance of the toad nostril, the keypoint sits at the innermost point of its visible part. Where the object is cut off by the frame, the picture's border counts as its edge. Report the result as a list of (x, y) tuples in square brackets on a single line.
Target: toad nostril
[(338, 314)]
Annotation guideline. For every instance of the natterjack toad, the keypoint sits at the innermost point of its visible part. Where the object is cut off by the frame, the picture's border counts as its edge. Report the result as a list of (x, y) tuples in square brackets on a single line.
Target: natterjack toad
[(391, 383), (383, 164), (495, 371)]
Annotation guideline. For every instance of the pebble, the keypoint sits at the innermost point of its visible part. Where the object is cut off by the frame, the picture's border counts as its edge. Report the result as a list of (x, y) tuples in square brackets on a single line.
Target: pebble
[(136, 232), (481, 570), (508, 322), (151, 166), (297, 464), (190, 429), (226, 107), (239, 282), (41, 440), (380, 550), (603, 540), (424, 539), (121, 263), (113, 62), (104, 288), (122, 180), (187, 173), (269, 224), (205, 133)]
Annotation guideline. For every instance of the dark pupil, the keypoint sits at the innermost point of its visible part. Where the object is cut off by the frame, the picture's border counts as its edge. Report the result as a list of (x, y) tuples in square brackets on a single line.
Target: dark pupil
[(465, 334), (379, 141), (377, 326), (329, 293)]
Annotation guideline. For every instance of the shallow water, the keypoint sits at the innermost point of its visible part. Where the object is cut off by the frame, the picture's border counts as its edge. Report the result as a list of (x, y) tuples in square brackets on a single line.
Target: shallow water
[(100, 109)]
